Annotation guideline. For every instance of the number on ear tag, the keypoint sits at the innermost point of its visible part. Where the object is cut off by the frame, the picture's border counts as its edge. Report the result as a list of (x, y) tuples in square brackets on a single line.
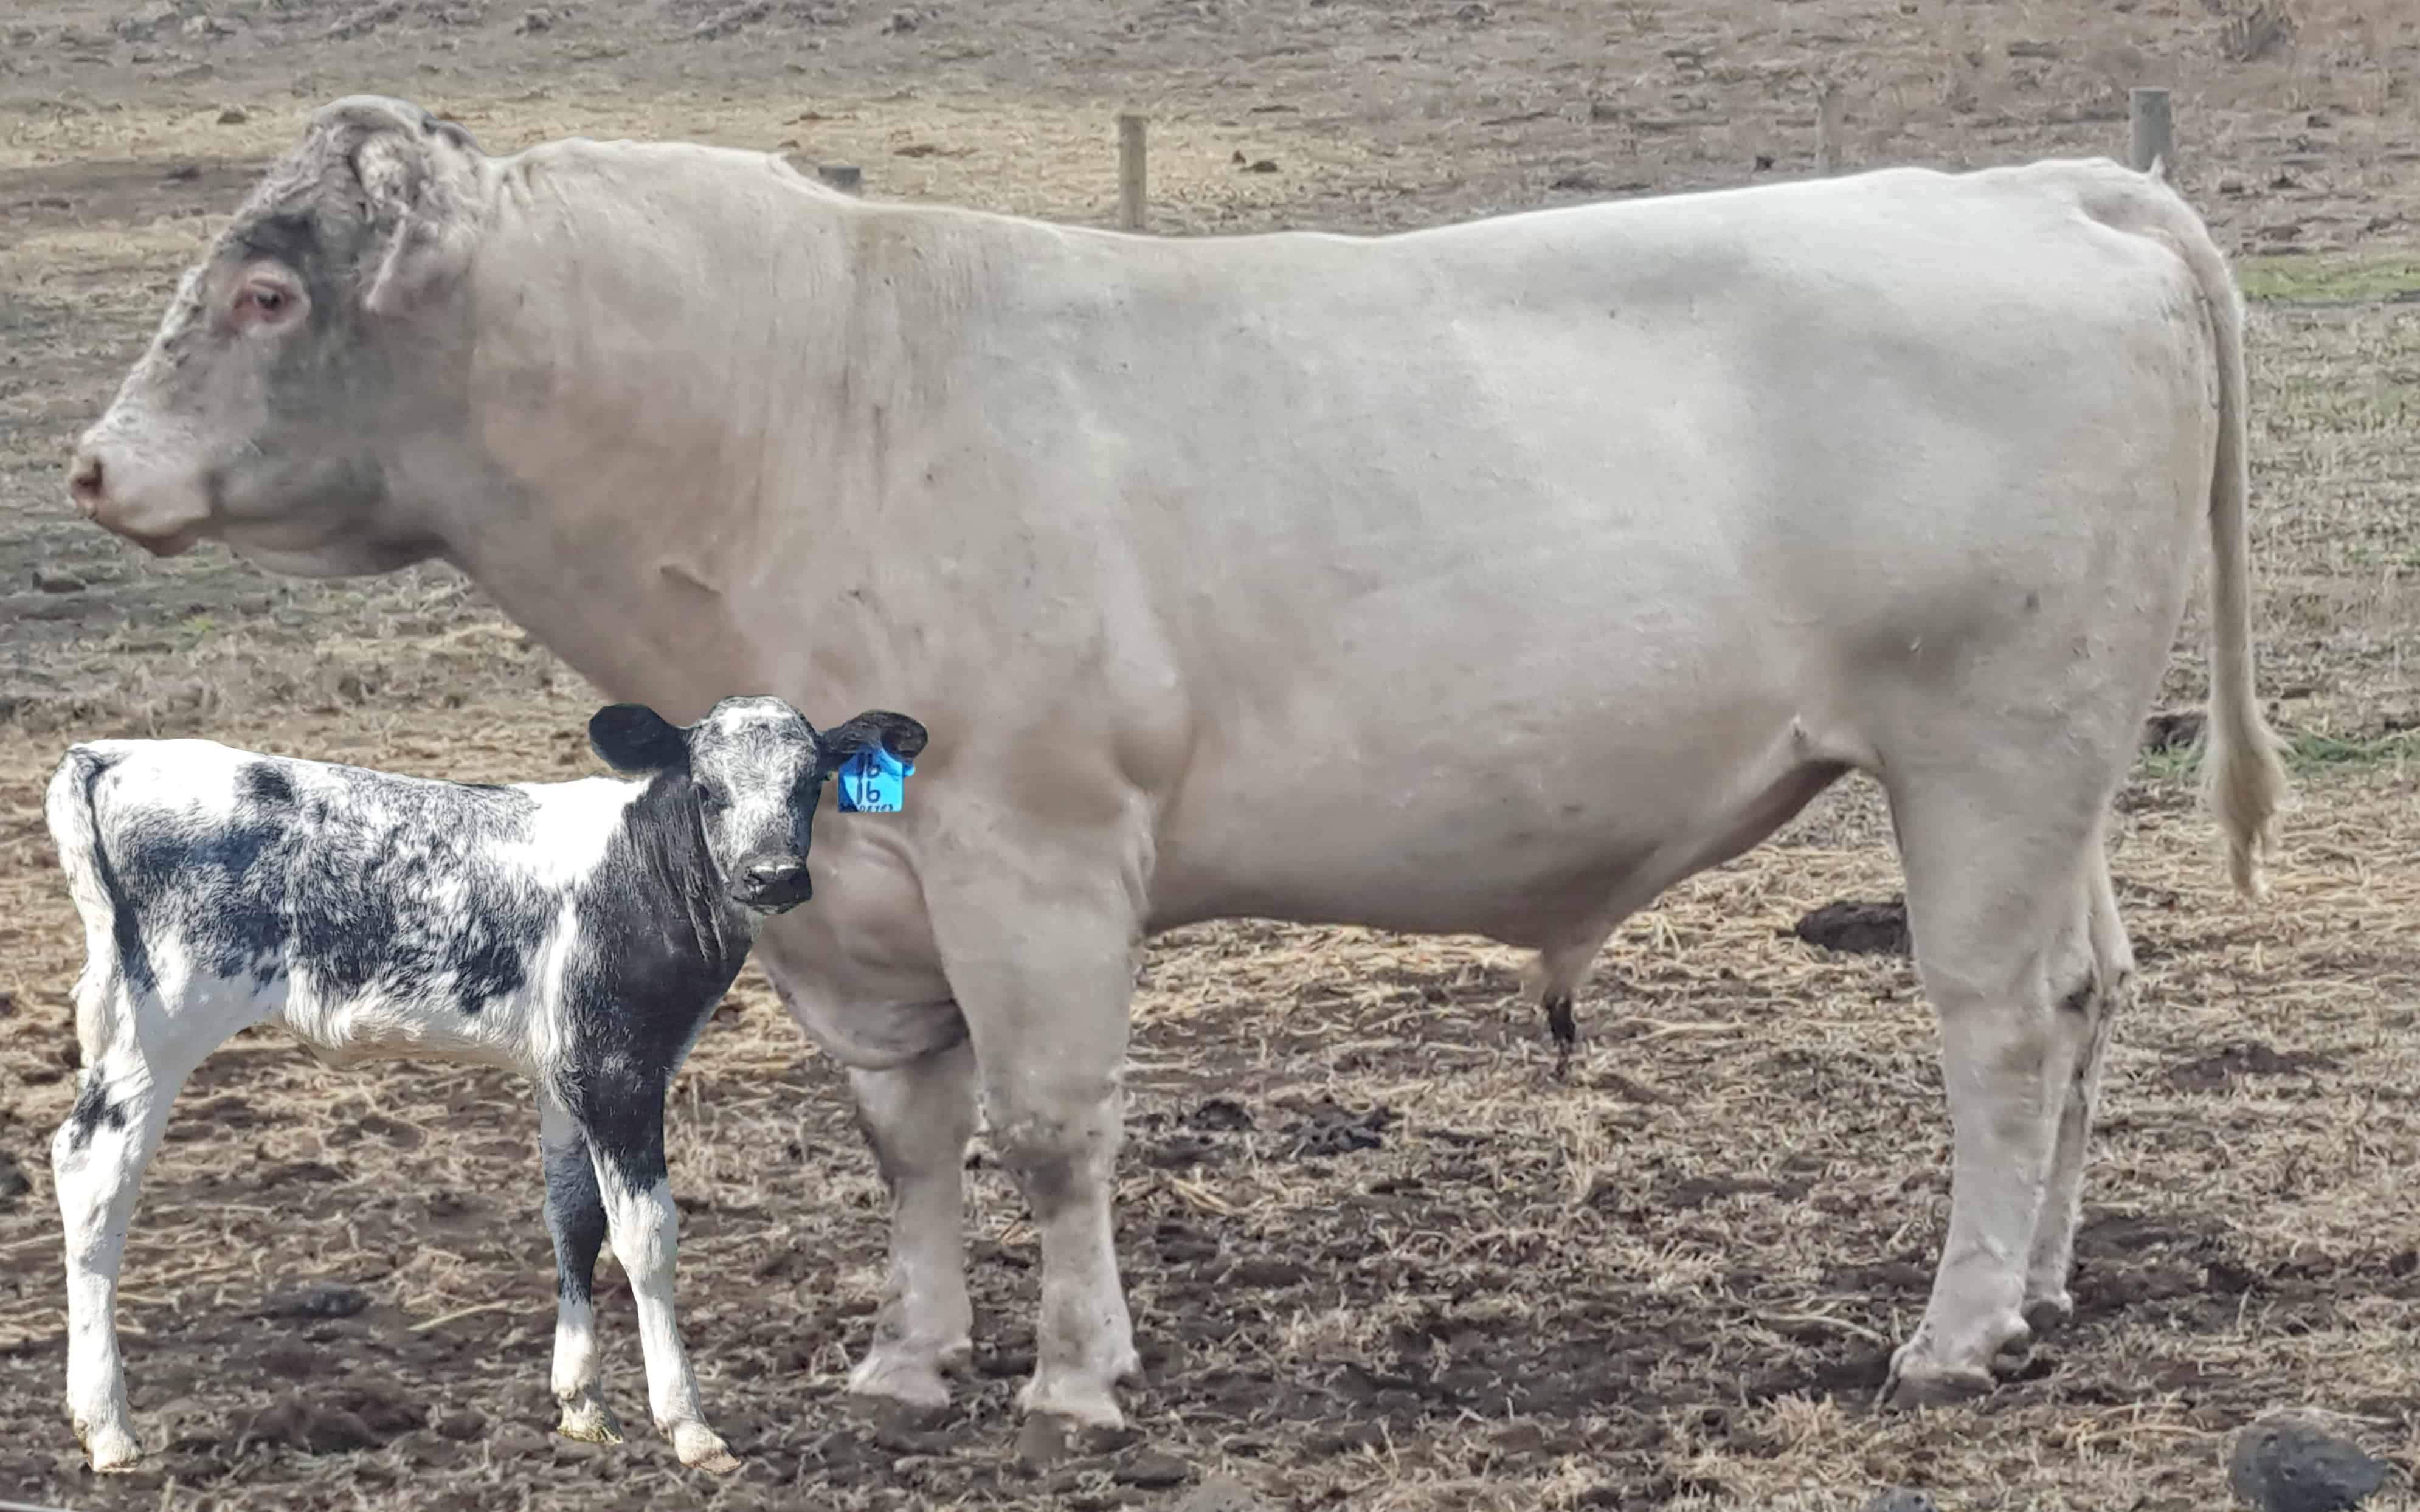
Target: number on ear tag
[(873, 781)]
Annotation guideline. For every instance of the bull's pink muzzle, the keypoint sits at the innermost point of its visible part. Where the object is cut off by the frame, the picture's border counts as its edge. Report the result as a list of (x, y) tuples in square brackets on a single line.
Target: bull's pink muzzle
[(92, 485)]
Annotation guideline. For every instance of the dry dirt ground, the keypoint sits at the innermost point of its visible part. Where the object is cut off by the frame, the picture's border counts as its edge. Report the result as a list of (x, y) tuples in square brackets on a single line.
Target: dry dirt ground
[(1380, 1258)]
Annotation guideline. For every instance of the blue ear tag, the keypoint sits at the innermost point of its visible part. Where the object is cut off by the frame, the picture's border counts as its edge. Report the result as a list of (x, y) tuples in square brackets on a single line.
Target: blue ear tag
[(873, 781)]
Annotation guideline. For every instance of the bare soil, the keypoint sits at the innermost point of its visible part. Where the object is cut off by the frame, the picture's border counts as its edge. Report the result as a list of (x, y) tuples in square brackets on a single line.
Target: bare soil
[(1380, 1257)]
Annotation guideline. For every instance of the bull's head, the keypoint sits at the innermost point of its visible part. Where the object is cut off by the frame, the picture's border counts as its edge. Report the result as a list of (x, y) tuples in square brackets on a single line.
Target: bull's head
[(251, 417)]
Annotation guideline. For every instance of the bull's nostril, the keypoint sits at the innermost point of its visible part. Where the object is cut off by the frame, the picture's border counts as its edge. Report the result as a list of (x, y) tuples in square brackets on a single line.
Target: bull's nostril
[(84, 482)]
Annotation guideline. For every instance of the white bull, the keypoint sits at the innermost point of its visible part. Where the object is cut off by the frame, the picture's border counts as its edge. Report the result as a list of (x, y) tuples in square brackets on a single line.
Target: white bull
[(1491, 578)]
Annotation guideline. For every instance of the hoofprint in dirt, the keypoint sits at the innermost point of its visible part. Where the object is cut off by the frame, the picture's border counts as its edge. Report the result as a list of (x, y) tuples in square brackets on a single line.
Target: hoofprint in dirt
[(1667, 1281)]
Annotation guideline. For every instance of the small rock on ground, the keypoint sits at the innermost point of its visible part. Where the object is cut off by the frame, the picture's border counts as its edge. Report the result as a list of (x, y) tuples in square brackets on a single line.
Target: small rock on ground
[(2286, 1464), (1857, 927), (464, 1426), (316, 1299), (1220, 1493), (1153, 1471), (1901, 1499), (518, 1440)]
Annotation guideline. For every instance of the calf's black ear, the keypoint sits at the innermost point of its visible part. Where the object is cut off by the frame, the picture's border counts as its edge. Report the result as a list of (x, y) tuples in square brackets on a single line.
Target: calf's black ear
[(632, 737), (897, 733)]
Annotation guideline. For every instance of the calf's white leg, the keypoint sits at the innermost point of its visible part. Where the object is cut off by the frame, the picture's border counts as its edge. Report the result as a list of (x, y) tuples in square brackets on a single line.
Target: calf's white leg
[(575, 1216), (97, 1159), (918, 1119), (136, 1059), (645, 1233), (622, 1120)]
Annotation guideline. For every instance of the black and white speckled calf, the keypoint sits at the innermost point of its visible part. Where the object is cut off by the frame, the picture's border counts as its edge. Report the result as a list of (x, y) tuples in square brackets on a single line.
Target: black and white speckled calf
[(578, 933)]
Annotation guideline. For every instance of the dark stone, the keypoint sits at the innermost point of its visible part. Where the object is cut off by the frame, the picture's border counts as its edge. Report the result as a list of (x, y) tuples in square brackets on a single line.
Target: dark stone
[(315, 1300), (1153, 1471), (1330, 1130), (464, 1426), (2283, 1465), (1858, 928), (1219, 1114)]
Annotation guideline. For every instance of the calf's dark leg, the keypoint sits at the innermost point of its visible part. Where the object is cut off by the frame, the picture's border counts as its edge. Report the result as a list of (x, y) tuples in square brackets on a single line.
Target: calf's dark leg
[(621, 1116), (575, 1216)]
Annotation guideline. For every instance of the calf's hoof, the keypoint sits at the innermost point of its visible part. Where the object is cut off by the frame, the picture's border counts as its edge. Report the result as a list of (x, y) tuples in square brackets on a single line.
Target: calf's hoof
[(701, 1448), (586, 1418), (110, 1449)]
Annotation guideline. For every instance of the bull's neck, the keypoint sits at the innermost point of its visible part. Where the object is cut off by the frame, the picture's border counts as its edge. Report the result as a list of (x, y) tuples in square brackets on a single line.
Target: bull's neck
[(662, 402)]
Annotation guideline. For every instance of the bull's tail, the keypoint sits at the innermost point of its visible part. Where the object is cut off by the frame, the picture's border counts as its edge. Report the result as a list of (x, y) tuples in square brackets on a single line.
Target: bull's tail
[(2243, 779)]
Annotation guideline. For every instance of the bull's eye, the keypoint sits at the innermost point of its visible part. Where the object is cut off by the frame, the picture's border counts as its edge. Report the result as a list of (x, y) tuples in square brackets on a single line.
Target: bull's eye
[(265, 302), (713, 800)]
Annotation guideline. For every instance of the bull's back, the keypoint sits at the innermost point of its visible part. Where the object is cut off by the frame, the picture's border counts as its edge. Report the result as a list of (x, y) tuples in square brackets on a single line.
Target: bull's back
[(1534, 540)]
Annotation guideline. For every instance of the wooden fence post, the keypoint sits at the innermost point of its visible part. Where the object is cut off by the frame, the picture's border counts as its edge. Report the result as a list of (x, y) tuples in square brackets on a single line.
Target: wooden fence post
[(2151, 131), (1828, 127), (1131, 170)]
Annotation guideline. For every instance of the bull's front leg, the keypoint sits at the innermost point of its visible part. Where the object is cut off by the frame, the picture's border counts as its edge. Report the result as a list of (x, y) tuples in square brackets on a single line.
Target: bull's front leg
[(918, 1119), (575, 1216), (1045, 982)]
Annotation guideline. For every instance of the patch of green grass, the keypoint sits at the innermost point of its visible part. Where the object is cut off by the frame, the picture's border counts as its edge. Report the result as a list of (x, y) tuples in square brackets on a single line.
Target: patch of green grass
[(2307, 754), (2361, 555), (2316, 278)]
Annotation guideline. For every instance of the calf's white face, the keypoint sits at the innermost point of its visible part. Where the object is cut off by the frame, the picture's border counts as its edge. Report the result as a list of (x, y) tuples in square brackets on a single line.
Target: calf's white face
[(753, 769)]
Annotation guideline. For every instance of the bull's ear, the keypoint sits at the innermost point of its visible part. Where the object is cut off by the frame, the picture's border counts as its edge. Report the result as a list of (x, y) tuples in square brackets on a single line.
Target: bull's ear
[(632, 737), (418, 179), (897, 733)]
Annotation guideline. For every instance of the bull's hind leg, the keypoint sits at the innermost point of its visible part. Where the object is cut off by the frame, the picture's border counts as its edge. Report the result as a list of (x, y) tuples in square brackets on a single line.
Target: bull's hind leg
[(2082, 1026), (97, 1161), (575, 1216), (2001, 849)]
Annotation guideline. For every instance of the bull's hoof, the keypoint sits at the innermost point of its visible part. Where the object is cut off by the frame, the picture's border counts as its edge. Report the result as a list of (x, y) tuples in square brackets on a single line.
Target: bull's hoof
[(891, 1414), (112, 1450), (898, 1386), (1912, 1386), (701, 1448), (586, 1418), (2047, 1315)]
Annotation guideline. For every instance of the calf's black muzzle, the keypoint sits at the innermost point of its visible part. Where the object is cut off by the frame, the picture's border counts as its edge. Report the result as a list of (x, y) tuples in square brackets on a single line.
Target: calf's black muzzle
[(772, 884)]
